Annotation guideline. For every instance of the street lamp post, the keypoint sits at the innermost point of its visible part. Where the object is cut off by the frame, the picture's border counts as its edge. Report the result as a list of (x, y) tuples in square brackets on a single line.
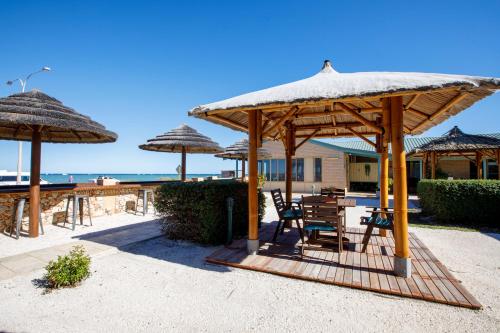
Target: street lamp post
[(23, 82)]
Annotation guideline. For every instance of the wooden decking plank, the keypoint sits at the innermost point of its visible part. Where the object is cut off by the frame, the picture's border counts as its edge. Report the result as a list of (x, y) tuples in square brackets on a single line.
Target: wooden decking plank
[(356, 269), (340, 272), (332, 270), (326, 265), (382, 277), (422, 287), (372, 273), (365, 275), (393, 283), (348, 269)]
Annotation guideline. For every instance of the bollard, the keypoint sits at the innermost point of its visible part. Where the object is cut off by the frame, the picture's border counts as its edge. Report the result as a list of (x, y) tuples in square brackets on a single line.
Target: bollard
[(230, 204)]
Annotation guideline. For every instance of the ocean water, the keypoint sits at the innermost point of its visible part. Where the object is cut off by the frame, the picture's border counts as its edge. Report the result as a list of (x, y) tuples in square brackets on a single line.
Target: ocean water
[(56, 178)]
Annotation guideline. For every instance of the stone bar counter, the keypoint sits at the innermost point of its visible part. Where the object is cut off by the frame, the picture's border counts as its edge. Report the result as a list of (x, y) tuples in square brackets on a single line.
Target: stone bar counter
[(104, 200)]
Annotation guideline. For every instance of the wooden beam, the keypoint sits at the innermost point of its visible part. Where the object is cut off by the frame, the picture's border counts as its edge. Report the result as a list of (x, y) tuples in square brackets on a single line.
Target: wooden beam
[(411, 101), (361, 137), (360, 118), (259, 128), (281, 121), (327, 126), (442, 110), (229, 122), (319, 135), (310, 136), (418, 113)]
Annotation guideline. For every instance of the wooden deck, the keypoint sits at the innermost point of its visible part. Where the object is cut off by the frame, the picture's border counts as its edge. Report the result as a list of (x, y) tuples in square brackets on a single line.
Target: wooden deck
[(373, 270)]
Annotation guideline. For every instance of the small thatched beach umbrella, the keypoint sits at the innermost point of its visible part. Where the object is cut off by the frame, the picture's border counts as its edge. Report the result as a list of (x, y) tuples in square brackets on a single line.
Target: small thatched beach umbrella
[(182, 139), (239, 151), (457, 143), (387, 105), (36, 117)]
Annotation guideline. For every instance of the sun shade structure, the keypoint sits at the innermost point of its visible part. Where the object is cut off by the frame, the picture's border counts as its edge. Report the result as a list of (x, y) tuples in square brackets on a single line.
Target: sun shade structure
[(457, 143), (183, 139), (37, 117), (239, 151), (387, 105)]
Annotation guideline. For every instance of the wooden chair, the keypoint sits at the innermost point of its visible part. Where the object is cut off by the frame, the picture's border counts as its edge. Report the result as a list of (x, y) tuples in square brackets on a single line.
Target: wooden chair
[(380, 218), (321, 214), (286, 212)]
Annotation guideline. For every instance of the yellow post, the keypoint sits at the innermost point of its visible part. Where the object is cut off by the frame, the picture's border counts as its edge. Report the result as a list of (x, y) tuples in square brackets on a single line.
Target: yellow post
[(253, 214), (289, 152), (402, 261), (384, 158)]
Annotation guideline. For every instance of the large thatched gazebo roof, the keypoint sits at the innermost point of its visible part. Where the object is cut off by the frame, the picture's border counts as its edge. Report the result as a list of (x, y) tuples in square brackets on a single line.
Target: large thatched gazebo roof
[(59, 123), (342, 104)]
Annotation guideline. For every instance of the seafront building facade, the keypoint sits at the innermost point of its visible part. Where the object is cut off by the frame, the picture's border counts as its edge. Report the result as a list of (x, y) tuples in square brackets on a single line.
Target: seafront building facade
[(353, 165)]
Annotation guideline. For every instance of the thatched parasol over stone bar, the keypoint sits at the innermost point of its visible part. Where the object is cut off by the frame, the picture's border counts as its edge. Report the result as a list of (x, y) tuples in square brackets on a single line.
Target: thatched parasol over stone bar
[(37, 117)]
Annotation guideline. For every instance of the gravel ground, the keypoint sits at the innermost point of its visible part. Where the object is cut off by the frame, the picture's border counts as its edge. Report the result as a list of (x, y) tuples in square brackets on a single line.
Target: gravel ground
[(161, 285)]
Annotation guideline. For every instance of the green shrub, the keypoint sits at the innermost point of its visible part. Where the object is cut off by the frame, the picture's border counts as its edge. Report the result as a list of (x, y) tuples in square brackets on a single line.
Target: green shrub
[(68, 270), (465, 202), (197, 211)]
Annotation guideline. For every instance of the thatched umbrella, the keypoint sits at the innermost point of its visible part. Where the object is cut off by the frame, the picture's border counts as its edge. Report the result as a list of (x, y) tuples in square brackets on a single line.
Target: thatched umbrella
[(36, 117), (182, 139), (332, 104), (456, 142), (239, 151)]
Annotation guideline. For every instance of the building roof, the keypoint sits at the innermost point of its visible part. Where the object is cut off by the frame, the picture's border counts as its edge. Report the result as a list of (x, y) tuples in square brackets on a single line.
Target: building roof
[(361, 148)]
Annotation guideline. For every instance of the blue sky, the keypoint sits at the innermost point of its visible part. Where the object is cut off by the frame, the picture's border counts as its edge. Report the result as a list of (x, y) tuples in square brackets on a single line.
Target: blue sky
[(138, 67)]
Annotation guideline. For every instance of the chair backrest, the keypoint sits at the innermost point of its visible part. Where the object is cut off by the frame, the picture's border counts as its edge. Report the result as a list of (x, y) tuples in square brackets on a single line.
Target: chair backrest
[(279, 203), (319, 210)]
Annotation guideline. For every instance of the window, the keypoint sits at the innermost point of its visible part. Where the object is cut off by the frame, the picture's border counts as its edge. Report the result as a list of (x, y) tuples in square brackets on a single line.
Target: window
[(317, 170), (275, 170), (281, 170), (300, 170)]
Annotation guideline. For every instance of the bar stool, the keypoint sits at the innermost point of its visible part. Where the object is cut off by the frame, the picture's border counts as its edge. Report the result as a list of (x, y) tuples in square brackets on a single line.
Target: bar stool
[(78, 205), (144, 195), (17, 220)]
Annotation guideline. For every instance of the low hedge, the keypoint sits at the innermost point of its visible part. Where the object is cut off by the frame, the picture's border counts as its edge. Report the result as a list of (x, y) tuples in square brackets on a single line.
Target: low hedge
[(197, 211), (466, 202)]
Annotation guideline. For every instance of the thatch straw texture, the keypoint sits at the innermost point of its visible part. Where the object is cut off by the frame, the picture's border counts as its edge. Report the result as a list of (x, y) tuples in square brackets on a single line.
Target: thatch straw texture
[(330, 103), (183, 136), (457, 141), (239, 150), (59, 123)]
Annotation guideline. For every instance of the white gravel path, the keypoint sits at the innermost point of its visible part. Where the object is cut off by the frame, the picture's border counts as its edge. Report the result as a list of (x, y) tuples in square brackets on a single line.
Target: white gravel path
[(160, 285)]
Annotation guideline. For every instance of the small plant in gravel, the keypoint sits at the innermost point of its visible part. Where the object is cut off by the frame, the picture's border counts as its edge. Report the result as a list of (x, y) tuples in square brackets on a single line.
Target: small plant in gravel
[(68, 270)]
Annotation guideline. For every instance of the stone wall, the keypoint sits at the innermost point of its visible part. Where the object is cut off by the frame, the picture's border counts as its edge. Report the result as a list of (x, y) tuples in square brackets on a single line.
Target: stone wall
[(104, 200)]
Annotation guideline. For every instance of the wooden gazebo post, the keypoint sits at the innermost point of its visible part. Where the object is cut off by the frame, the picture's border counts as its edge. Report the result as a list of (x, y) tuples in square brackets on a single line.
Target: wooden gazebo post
[(36, 153), (433, 165), (253, 214), (289, 153), (384, 158), (402, 261)]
